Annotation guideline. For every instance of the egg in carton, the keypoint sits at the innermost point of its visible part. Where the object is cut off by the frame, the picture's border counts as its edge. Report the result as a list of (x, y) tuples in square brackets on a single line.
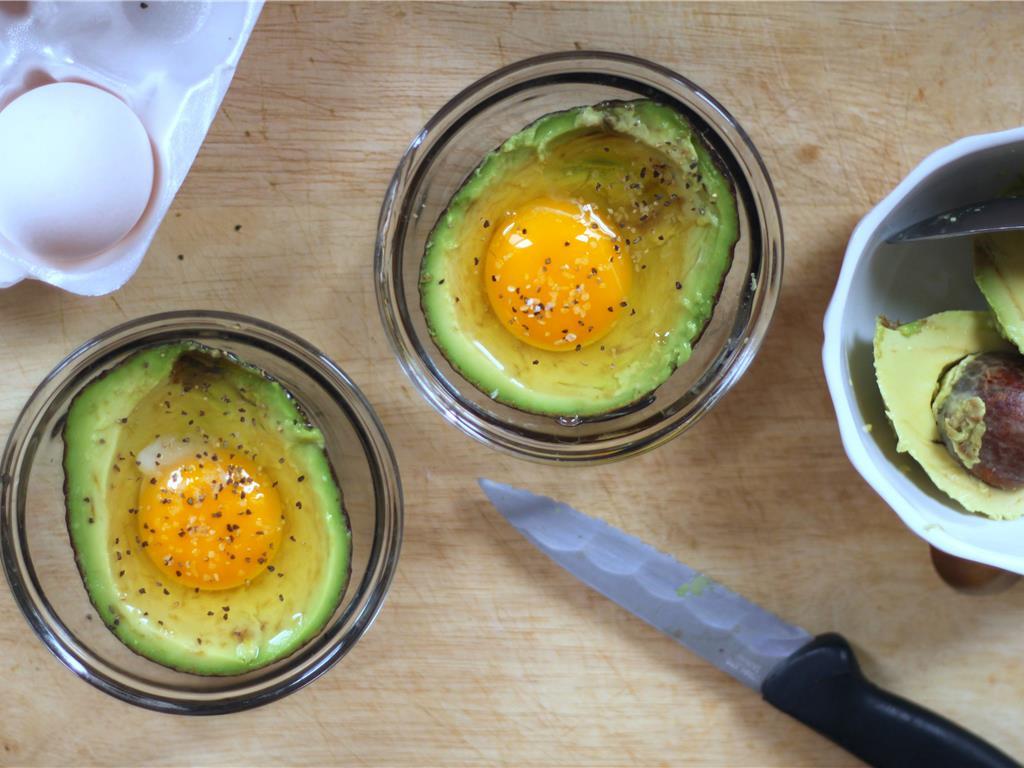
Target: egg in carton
[(103, 108)]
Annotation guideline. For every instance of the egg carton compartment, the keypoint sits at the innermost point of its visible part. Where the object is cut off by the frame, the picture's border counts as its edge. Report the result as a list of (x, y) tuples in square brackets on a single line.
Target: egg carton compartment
[(169, 62)]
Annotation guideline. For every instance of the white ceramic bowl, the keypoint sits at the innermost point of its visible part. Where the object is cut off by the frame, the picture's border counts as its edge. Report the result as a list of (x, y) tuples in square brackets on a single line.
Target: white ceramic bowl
[(906, 282)]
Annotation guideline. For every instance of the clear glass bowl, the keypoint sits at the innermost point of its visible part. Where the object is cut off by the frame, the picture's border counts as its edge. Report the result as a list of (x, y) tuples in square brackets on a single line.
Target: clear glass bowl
[(40, 564), (447, 150)]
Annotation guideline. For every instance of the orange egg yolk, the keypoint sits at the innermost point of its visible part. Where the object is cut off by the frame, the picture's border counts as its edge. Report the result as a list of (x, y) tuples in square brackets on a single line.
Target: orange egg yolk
[(210, 523), (557, 274)]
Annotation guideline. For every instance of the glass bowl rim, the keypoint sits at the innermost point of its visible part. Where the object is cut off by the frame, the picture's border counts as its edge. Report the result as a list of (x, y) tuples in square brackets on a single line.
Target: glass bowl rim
[(418, 367), (377, 451)]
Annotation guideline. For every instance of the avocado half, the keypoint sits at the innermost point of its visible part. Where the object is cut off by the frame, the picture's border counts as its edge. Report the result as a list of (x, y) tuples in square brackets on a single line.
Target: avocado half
[(186, 395), (999, 273), (910, 361), (600, 155)]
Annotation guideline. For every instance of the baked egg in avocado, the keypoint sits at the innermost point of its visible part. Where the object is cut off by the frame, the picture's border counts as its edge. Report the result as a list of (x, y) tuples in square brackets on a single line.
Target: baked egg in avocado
[(204, 514), (575, 268)]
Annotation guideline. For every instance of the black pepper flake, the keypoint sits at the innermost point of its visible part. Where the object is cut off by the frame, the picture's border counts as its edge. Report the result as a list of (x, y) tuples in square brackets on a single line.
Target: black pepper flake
[(143, 6), (209, 613), (124, 420), (679, 286), (280, 597), (536, 362), (298, 505), (142, 590), (181, 257), (238, 227), (301, 478), (165, 591), (441, 281)]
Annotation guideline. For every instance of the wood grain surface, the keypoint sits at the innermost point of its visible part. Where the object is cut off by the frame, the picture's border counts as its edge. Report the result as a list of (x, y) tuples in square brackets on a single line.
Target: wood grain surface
[(485, 652)]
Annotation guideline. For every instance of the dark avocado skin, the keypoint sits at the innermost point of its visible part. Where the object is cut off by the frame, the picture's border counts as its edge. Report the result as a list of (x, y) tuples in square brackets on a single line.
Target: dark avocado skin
[(587, 386), (258, 632)]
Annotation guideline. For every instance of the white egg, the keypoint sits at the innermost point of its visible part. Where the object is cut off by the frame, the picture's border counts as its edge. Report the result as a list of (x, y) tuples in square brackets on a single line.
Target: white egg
[(164, 451), (77, 171)]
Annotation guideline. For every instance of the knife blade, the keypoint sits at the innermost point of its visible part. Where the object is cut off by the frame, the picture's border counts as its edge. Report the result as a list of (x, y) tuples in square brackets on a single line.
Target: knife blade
[(817, 680), (1001, 214)]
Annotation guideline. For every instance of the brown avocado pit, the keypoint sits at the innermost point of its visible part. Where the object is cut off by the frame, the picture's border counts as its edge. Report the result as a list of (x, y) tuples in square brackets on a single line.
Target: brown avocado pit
[(979, 411)]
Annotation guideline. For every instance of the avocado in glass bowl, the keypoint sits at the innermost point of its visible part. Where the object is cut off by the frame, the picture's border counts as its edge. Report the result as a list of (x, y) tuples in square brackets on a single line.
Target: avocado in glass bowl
[(524, 148), (574, 270), (104, 437)]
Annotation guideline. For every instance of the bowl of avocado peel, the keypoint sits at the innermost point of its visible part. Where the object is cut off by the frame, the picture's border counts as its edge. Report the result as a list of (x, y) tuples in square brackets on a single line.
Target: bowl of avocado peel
[(903, 318)]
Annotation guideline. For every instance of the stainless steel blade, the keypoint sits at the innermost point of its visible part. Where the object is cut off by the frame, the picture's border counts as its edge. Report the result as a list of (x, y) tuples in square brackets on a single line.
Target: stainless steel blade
[(998, 215), (732, 633)]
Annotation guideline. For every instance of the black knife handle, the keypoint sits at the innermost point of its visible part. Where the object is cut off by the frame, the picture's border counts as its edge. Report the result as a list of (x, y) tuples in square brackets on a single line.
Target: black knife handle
[(821, 685)]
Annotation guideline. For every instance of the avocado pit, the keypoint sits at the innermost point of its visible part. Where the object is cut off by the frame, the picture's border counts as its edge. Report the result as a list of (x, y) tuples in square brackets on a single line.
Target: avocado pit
[(979, 411)]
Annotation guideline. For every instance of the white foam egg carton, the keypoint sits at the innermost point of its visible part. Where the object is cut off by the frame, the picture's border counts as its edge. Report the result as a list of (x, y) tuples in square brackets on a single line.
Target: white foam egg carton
[(170, 62)]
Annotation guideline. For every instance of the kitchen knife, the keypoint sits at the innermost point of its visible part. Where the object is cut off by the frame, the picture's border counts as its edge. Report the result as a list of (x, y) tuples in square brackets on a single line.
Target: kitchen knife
[(817, 680), (1003, 214)]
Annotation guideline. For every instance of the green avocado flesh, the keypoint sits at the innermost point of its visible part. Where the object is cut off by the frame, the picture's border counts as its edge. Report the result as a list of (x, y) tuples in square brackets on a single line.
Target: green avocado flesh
[(185, 403), (910, 363), (644, 165), (999, 273)]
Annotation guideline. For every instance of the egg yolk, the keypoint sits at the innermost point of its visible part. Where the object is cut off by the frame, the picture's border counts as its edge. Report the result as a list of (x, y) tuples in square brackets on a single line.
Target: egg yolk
[(557, 274), (210, 523)]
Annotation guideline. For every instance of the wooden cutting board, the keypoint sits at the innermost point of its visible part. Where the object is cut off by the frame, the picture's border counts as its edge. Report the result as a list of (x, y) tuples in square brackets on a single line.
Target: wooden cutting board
[(485, 652)]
